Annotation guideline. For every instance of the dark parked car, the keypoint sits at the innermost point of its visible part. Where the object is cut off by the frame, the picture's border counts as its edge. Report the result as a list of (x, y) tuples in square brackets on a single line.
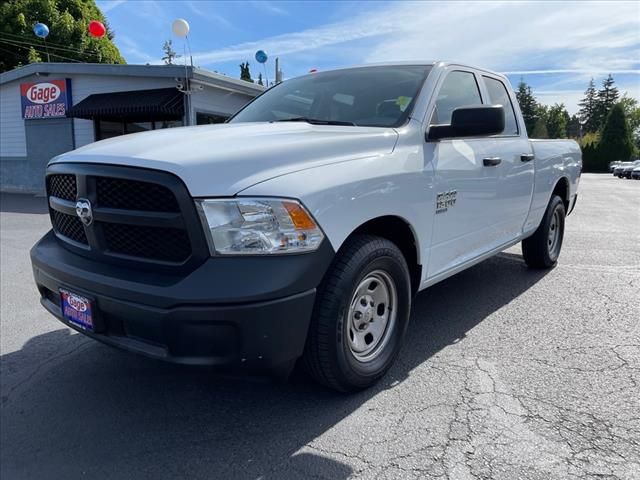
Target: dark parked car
[(635, 173)]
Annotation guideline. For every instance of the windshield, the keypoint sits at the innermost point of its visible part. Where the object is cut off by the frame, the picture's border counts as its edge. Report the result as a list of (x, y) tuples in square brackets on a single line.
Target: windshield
[(365, 96)]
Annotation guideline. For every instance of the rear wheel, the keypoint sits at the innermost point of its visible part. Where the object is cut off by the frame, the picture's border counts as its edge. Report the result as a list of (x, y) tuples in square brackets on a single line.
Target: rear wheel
[(542, 249), (361, 315)]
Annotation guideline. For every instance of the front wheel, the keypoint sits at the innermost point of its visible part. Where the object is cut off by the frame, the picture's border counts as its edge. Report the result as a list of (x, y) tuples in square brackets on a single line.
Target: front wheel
[(360, 316), (542, 249)]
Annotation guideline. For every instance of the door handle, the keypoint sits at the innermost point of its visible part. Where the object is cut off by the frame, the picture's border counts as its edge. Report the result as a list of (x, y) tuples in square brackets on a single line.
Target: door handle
[(527, 157), (491, 161)]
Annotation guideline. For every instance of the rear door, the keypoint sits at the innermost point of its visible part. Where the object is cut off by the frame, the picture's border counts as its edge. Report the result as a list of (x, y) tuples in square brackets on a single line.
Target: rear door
[(466, 209), (515, 185)]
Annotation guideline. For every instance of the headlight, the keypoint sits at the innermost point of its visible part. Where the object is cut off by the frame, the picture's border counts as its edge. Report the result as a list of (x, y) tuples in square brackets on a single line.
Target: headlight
[(258, 226)]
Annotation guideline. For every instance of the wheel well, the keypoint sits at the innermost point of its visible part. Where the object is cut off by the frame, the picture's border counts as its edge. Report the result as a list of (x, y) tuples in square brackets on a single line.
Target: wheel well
[(562, 190), (399, 232)]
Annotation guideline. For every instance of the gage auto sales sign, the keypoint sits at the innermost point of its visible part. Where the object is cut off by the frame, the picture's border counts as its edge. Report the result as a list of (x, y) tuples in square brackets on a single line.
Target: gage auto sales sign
[(46, 99)]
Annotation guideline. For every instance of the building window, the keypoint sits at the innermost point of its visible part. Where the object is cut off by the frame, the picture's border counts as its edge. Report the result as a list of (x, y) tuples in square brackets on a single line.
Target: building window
[(108, 129), (209, 118)]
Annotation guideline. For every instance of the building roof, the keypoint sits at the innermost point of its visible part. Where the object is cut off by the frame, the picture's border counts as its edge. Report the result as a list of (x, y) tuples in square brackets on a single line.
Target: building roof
[(199, 75)]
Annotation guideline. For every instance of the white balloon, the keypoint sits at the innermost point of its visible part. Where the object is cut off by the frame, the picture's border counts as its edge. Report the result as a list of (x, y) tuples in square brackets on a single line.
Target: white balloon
[(180, 27)]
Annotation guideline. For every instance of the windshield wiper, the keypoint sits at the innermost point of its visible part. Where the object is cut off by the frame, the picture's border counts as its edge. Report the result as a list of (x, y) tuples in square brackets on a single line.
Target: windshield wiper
[(315, 121)]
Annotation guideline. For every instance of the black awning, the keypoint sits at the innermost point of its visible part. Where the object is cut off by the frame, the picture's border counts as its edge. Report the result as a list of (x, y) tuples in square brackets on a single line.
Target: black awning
[(136, 105)]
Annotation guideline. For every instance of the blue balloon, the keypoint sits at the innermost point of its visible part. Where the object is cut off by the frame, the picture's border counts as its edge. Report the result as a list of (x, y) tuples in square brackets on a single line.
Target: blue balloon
[(41, 30), (261, 57)]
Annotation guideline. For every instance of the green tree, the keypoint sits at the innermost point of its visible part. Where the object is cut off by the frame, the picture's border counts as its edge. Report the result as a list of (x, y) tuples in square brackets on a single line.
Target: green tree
[(615, 141), (557, 121), (33, 56), (573, 127), (260, 82), (245, 74), (588, 106), (607, 97), (539, 129), (632, 112), (170, 54), (68, 40), (528, 106)]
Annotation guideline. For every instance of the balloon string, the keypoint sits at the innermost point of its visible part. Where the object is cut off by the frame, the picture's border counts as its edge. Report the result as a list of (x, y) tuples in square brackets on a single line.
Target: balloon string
[(47, 50), (189, 47)]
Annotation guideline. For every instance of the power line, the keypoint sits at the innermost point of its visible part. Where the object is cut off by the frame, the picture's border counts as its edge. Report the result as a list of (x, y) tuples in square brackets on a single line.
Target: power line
[(42, 52), (14, 54), (38, 45), (26, 39), (38, 49)]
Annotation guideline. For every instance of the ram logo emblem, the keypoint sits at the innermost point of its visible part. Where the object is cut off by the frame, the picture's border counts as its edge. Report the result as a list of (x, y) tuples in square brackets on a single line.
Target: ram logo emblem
[(84, 212)]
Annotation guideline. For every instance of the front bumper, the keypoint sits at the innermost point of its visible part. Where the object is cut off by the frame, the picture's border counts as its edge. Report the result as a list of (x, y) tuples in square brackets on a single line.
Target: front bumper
[(230, 311)]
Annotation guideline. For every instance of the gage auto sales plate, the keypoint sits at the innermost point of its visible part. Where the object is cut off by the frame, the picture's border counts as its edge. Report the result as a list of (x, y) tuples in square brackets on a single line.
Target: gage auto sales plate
[(77, 309)]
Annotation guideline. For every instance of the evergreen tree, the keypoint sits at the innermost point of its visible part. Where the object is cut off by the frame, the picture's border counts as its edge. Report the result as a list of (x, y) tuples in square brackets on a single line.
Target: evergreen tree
[(169, 53), (528, 106), (539, 129), (573, 127), (632, 112), (557, 121), (260, 82), (606, 98), (615, 141), (588, 106), (245, 74), (68, 39)]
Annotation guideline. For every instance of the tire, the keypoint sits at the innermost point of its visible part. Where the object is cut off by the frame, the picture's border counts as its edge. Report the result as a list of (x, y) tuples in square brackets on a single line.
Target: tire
[(542, 249), (342, 351)]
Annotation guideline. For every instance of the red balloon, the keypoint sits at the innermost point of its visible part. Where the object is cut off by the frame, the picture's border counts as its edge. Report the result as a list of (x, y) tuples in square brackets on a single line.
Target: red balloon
[(96, 29)]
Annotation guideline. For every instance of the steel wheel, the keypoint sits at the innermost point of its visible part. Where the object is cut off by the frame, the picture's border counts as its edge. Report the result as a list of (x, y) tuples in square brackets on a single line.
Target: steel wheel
[(553, 239), (372, 315)]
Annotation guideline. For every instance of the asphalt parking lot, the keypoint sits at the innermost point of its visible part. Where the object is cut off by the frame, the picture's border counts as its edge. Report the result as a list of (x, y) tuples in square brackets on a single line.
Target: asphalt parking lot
[(506, 373)]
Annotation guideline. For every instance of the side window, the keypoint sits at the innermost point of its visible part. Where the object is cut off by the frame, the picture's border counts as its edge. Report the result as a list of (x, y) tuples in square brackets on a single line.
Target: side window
[(498, 95), (459, 89)]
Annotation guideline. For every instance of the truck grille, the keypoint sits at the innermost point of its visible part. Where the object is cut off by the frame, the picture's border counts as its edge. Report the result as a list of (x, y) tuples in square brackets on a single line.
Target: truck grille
[(143, 241), (69, 226), (63, 186), (133, 195), (133, 219)]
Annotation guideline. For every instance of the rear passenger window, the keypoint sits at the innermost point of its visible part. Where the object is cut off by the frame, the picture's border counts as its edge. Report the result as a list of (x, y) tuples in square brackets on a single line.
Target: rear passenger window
[(498, 96), (459, 89)]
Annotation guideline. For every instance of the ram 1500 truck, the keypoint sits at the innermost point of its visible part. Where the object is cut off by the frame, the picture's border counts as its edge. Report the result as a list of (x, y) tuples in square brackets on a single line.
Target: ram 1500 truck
[(302, 228)]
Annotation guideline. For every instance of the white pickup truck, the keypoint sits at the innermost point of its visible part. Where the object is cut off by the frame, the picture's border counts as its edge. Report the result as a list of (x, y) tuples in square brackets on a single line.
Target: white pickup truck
[(302, 228)]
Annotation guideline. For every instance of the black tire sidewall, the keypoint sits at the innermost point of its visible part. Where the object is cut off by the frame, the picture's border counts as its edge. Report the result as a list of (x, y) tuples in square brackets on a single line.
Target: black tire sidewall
[(356, 374), (555, 204)]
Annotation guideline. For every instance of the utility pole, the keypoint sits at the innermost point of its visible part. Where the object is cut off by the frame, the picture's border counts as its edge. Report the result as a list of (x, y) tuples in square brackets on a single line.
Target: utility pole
[(278, 71)]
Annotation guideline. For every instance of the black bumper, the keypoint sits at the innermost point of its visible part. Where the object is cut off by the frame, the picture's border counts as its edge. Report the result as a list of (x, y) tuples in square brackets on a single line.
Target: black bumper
[(242, 311)]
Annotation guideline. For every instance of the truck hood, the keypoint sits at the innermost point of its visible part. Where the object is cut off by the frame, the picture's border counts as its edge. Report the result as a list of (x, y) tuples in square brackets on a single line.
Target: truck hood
[(219, 160)]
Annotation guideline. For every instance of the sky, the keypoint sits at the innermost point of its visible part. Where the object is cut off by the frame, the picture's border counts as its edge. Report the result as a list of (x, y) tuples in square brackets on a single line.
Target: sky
[(556, 47)]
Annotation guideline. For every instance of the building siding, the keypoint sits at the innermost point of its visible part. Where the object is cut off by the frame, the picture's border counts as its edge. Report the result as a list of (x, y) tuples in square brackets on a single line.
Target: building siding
[(211, 100), (12, 137)]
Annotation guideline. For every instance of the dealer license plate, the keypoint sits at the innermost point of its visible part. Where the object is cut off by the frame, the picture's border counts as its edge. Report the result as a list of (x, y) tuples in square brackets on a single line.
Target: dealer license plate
[(77, 309)]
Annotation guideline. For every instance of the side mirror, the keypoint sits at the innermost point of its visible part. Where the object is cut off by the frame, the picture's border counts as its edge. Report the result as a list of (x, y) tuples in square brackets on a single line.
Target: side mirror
[(470, 122)]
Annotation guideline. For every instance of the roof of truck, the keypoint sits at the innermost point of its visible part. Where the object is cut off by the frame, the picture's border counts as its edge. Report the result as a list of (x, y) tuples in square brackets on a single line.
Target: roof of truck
[(438, 63)]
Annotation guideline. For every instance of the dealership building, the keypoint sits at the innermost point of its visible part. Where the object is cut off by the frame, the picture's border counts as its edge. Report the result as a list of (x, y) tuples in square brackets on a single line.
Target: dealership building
[(50, 108)]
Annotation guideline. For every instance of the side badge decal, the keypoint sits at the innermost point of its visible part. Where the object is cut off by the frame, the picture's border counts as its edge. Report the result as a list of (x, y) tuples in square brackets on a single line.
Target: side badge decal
[(445, 200)]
